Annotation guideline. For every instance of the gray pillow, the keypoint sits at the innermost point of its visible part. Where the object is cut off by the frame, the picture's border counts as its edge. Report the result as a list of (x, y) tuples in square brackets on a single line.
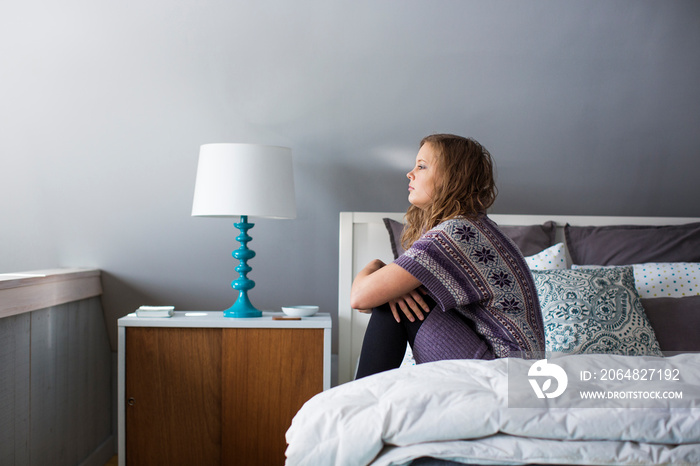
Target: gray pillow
[(530, 239), (395, 229), (633, 244), (675, 322)]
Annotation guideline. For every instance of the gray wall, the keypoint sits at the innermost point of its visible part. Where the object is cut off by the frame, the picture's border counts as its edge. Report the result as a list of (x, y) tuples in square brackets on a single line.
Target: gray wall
[(589, 107)]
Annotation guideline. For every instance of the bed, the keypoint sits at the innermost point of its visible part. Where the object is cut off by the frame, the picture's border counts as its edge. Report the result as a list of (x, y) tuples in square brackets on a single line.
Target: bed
[(618, 384)]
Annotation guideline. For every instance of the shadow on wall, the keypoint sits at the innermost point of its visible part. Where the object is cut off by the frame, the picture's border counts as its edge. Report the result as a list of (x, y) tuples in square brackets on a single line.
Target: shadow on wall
[(119, 298), (342, 186)]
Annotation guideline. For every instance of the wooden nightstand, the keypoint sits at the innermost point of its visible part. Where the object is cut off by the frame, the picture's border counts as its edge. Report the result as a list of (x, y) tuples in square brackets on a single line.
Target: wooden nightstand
[(199, 388)]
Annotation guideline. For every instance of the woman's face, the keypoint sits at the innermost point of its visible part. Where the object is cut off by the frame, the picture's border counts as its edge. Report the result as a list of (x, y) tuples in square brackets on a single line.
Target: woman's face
[(422, 178)]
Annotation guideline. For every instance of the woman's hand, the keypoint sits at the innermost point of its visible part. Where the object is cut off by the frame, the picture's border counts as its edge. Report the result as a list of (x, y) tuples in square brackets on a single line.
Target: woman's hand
[(410, 304)]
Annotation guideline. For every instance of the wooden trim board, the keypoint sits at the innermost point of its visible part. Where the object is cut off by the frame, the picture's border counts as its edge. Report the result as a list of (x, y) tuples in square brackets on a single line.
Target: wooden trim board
[(30, 291)]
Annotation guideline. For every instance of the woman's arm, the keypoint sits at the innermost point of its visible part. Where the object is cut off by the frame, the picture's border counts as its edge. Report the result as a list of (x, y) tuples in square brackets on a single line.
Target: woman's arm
[(379, 283)]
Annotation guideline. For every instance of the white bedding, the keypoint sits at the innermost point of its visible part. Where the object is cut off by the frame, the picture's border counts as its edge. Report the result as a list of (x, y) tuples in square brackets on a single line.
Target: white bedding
[(459, 410)]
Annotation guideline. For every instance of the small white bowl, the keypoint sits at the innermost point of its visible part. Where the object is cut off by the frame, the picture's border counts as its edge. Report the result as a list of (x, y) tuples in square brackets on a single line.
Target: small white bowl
[(300, 311)]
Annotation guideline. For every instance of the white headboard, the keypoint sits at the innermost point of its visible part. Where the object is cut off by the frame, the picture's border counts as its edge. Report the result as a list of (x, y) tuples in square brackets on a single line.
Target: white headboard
[(364, 237)]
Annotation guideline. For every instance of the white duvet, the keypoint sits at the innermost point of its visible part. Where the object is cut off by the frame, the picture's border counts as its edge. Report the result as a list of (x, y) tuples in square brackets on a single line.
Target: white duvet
[(458, 410)]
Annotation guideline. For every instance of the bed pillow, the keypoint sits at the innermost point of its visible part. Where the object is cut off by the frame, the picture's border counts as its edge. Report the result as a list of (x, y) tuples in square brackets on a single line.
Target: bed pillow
[(395, 230), (549, 259), (633, 244), (669, 280), (664, 279), (594, 311), (675, 321), (530, 239), (670, 295)]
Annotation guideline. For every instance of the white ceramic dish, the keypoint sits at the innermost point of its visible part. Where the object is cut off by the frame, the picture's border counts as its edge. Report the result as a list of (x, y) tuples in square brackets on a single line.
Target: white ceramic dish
[(300, 311)]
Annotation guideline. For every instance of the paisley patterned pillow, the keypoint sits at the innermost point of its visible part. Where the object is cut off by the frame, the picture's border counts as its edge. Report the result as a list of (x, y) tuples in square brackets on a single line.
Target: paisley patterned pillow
[(594, 311)]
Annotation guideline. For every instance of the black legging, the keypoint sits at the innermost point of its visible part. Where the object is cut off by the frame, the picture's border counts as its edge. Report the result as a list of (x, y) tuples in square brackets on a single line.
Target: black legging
[(384, 345)]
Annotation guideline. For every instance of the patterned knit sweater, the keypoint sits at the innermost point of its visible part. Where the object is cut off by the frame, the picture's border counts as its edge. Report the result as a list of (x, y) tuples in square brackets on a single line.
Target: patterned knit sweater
[(484, 292)]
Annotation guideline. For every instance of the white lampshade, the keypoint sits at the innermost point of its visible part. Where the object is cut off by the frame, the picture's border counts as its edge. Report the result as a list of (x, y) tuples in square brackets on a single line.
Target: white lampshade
[(244, 179)]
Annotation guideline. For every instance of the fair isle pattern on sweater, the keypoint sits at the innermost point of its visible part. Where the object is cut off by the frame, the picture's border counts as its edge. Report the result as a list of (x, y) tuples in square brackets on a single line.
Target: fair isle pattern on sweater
[(470, 266)]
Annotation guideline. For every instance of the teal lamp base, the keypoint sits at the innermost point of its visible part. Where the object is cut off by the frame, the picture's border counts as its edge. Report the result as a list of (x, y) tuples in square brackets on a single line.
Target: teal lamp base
[(243, 307)]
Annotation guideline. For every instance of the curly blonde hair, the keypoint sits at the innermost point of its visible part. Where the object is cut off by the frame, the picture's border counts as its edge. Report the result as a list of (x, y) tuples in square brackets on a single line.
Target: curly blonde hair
[(464, 185)]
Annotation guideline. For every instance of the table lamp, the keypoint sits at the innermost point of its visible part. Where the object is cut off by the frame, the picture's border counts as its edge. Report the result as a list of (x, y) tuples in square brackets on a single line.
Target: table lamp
[(244, 180)]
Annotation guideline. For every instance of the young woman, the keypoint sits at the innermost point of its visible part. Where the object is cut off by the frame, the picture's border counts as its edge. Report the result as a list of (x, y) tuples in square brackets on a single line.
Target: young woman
[(462, 289)]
